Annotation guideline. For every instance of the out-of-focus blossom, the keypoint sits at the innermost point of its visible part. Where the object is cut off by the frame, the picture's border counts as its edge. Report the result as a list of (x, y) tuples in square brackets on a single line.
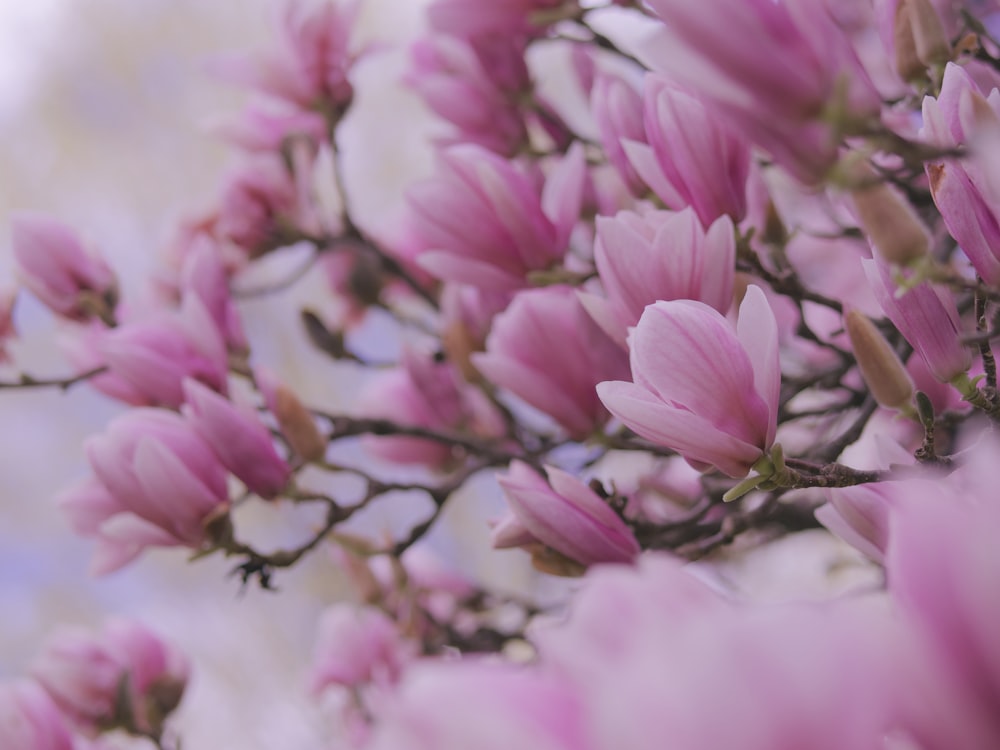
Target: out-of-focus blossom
[(238, 437), (89, 675), (914, 34), (158, 483), (962, 116), (700, 388), (617, 110), (429, 394), (83, 347), (927, 317), (468, 312), (860, 516), (565, 514), (311, 67), (476, 704), (790, 101), (546, 349), (156, 354), (787, 677), (468, 19), (660, 256), (53, 264), (29, 720), (204, 275), (262, 130), (485, 222), (942, 566), (356, 646), (705, 162), (453, 81), (263, 206)]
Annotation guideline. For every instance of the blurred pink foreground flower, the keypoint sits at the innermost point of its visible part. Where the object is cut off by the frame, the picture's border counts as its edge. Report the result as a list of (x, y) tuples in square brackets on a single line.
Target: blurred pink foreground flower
[(29, 720), (89, 675), (700, 388)]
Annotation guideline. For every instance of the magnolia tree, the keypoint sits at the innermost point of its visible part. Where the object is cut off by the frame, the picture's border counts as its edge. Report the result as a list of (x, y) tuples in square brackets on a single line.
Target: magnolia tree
[(750, 289)]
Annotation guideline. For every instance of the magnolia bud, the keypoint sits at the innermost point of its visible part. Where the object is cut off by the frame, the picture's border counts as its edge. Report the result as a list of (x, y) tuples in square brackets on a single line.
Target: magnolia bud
[(929, 35), (890, 222), (880, 366), (298, 425)]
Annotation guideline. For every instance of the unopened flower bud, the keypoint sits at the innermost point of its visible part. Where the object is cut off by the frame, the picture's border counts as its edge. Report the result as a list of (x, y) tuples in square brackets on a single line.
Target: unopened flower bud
[(908, 63), (929, 35), (297, 425), (880, 366), (890, 222)]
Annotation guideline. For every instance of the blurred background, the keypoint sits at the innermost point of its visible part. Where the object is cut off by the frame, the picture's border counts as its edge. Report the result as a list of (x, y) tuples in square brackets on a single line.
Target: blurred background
[(103, 108)]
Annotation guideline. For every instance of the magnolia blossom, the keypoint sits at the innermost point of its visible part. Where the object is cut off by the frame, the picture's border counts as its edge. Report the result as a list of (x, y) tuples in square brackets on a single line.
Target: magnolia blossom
[(927, 317), (357, 645), (8, 296), (699, 387), (962, 115), (240, 440), (703, 160), (776, 100), (547, 350), (311, 66), (484, 221), (471, 18), (562, 513), (53, 264), (29, 720), (617, 110), (154, 355), (88, 675), (455, 83), (157, 483), (475, 704), (643, 258)]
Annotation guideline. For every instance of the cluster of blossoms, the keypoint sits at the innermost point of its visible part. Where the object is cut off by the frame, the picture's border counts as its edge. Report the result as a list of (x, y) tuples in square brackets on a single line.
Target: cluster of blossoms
[(84, 684), (740, 279)]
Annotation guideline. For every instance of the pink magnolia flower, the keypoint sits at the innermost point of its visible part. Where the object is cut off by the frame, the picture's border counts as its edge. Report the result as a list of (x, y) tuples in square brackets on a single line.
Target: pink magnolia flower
[(962, 115), (705, 162), (776, 100), (240, 440), (159, 484), (356, 646), (476, 704), (83, 347), (547, 350), (456, 85), (430, 394), (87, 675), (205, 276), (700, 388), (53, 264), (262, 203), (617, 110), (484, 221), (927, 317), (311, 67), (565, 514), (820, 676), (29, 720), (942, 566), (660, 255), (156, 354), (860, 516)]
